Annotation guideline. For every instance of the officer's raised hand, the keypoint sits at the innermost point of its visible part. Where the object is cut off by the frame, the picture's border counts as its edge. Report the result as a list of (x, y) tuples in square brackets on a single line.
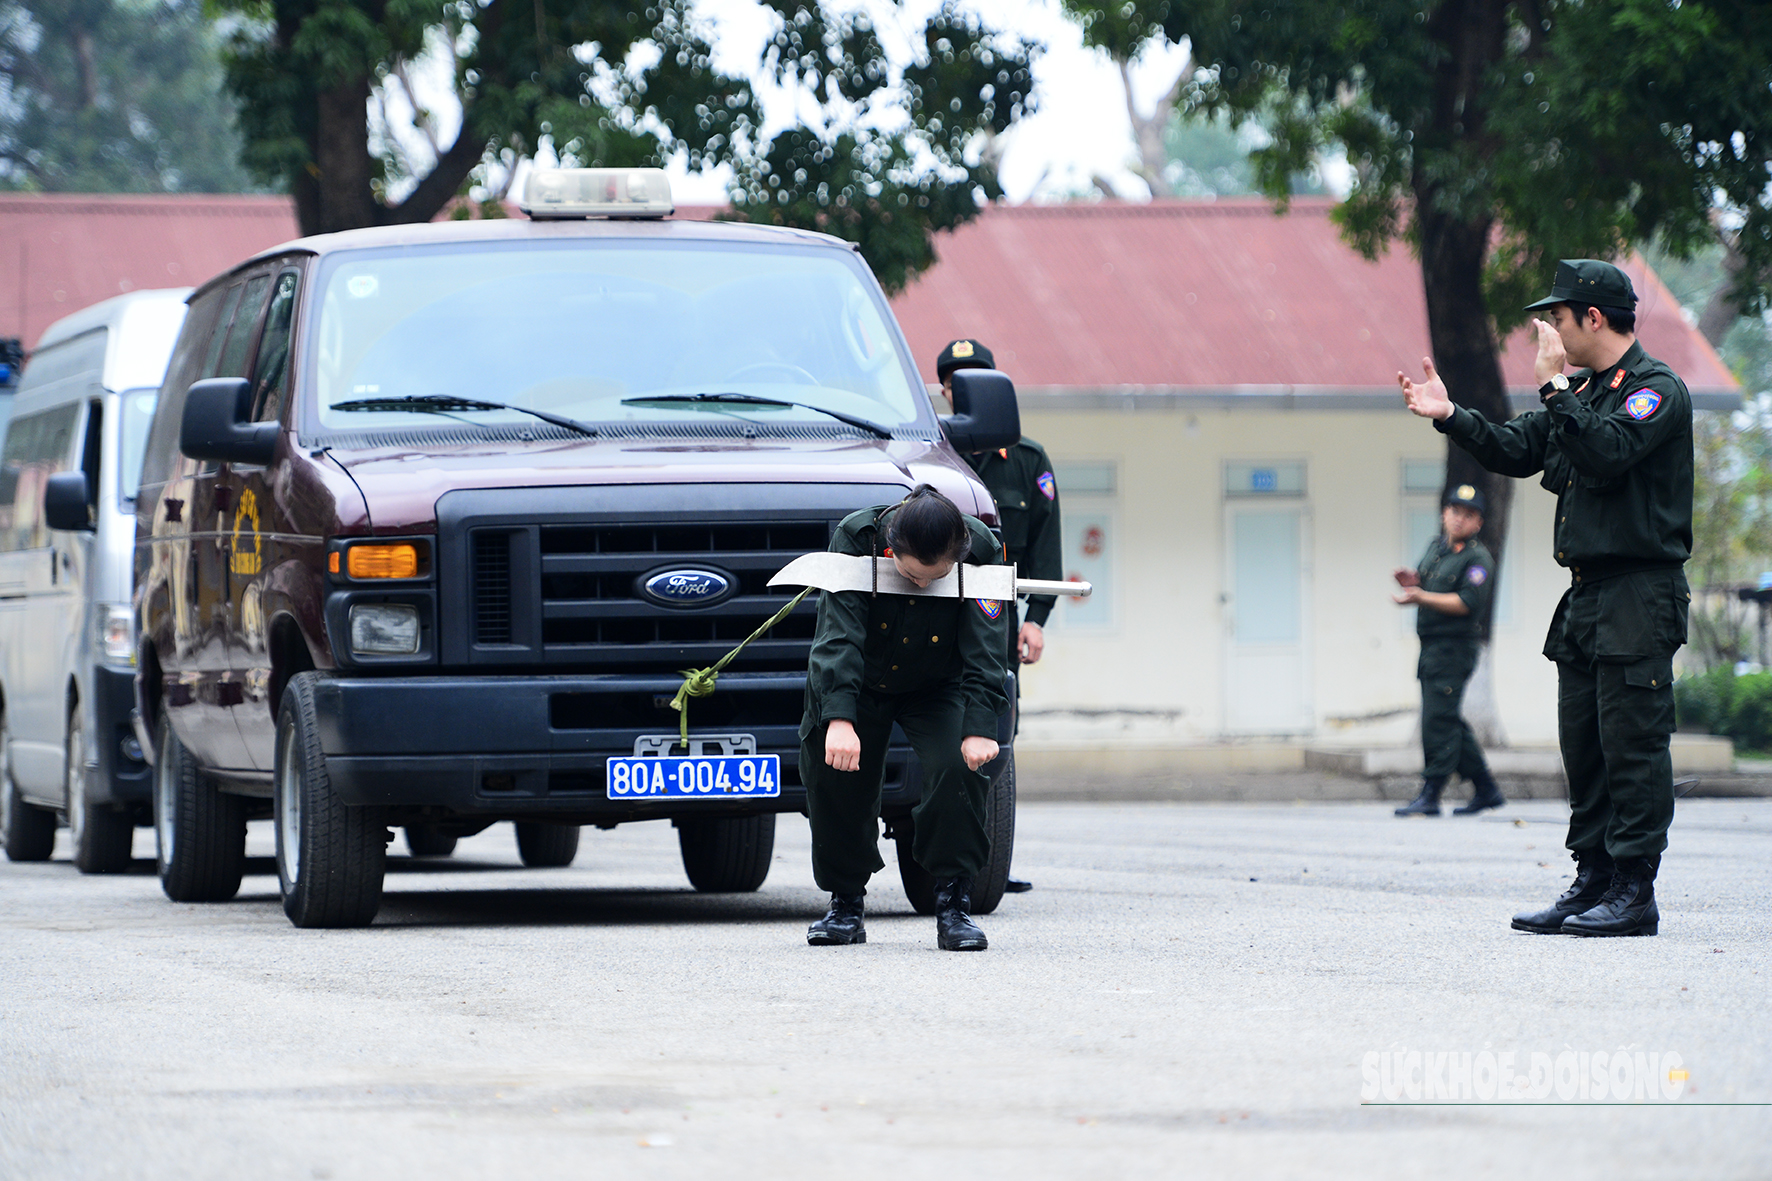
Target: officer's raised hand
[(1427, 399), (1551, 355)]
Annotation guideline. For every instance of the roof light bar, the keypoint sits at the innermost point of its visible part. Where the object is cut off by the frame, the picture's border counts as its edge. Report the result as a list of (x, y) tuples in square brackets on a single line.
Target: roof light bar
[(597, 192)]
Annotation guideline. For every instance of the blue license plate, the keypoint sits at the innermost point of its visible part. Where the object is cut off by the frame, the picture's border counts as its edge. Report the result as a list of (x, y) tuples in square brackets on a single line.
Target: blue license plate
[(722, 777)]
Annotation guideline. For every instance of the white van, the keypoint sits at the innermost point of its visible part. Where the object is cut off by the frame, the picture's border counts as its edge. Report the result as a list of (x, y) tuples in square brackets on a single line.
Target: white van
[(68, 472)]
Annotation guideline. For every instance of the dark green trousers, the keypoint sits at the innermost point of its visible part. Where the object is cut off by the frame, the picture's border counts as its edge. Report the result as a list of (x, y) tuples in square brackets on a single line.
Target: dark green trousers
[(1613, 642), (844, 806), (1448, 745)]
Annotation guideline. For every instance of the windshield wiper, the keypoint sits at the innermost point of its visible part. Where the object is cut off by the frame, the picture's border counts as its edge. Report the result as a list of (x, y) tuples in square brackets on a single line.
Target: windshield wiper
[(754, 400), (444, 403)]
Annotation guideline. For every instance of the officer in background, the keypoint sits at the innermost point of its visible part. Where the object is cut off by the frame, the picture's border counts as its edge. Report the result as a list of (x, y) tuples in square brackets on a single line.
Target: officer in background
[(1450, 591), (1614, 444), (1020, 480)]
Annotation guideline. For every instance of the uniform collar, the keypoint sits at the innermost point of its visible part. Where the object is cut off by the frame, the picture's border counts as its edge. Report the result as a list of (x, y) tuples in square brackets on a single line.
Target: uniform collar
[(1613, 378)]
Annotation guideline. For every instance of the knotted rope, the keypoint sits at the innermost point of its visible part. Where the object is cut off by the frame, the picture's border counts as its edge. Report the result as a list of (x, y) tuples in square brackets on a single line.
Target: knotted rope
[(699, 682)]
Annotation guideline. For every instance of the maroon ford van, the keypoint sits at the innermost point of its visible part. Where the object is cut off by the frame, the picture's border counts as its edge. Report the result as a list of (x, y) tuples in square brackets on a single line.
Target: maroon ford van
[(432, 519)]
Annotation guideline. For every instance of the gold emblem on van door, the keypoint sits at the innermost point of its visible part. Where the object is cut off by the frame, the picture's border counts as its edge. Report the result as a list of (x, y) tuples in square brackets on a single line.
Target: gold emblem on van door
[(246, 561)]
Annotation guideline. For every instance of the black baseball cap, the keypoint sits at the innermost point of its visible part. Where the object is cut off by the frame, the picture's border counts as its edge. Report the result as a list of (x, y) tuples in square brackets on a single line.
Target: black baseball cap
[(963, 354), (1589, 281), (1467, 496)]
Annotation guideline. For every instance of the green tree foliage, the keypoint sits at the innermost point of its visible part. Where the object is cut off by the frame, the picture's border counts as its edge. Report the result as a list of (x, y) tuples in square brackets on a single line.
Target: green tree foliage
[(882, 153), (114, 96), (1556, 128)]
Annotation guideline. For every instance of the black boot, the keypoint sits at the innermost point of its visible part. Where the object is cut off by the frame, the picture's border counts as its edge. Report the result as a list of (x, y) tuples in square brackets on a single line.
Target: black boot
[(1593, 875), (1628, 907), (1428, 802), (1486, 795), (1017, 886), (954, 928), (841, 925)]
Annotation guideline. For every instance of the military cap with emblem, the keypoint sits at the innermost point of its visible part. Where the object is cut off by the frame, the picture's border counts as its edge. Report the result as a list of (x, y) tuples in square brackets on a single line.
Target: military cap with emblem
[(1467, 496), (1589, 281), (963, 354)]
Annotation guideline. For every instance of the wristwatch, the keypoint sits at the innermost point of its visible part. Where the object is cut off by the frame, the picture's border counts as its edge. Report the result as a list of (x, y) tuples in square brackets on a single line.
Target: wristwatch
[(1556, 385)]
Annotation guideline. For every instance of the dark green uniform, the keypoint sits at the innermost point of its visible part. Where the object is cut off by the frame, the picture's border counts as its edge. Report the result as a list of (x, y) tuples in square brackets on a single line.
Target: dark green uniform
[(1449, 656), (935, 667), (1020, 480), (1616, 449)]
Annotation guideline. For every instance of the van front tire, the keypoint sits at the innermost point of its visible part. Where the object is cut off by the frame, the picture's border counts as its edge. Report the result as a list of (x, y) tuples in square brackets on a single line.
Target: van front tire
[(28, 833), (331, 858), (199, 832), (103, 838)]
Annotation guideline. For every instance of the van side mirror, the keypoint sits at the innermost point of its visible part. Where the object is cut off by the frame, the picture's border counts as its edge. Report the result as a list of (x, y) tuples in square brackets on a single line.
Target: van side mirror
[(985, 415), (65, 505), (216, 424)]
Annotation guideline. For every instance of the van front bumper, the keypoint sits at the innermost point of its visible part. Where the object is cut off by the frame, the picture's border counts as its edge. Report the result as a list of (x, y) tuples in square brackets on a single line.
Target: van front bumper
[(538, 747)]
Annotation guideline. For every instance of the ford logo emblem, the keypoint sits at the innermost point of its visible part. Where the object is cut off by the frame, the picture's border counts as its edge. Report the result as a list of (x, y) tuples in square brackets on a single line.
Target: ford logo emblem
[(687, 588)]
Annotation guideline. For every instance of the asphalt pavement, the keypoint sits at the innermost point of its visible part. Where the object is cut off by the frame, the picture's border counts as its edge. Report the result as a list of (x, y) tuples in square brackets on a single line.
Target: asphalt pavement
[(1199, 990)]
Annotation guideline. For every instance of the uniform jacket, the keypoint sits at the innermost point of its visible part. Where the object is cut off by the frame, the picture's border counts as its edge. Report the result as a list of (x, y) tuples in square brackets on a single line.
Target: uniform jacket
[(1616, 448), (904, 643), (1466, 573), (1020, 480)]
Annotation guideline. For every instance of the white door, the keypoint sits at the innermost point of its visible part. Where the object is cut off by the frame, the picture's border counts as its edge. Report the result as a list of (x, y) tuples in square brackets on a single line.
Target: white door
[(1266, 668)]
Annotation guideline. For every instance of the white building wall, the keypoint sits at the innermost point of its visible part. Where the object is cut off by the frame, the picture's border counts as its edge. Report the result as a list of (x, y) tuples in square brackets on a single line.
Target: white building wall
[(1155, 670)]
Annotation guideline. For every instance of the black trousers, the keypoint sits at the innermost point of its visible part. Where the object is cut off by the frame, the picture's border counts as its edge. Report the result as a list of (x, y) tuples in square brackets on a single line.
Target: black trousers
[(1613, 642), (1448, 745), (844, 806)]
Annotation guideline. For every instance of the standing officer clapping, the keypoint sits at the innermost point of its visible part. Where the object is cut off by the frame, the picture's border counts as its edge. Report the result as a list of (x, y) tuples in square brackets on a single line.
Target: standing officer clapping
[(1450, 593)]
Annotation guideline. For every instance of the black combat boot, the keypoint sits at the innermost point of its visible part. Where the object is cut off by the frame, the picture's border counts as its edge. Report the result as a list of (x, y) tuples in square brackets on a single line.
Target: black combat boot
[(1428, 802), (1593, 875), (840, 925), (1628, 906), (1486, 795), (954, 928)]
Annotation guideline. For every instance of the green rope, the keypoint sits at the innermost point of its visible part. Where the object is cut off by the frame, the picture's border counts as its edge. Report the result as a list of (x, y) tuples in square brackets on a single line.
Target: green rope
[(699, 682)]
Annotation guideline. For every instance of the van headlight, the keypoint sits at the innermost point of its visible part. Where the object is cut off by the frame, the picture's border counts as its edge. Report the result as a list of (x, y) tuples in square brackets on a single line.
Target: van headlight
[(384, 629), (116, 633)]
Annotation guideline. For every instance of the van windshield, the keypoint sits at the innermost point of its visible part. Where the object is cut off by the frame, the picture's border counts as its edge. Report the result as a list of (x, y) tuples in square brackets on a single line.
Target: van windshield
[(593, 331), (138, 416)]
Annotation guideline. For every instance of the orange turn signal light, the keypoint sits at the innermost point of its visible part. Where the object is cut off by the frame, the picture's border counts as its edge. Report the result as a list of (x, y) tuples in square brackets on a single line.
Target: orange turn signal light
[(382, 561)]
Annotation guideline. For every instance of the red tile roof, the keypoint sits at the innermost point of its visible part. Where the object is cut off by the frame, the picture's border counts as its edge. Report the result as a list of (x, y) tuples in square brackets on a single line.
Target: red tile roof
[(1173, 296), (1208, 296), (60, 252)]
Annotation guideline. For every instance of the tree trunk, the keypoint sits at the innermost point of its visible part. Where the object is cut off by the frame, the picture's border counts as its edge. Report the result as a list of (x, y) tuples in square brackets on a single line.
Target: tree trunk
[(1468, 357), (342, 199)]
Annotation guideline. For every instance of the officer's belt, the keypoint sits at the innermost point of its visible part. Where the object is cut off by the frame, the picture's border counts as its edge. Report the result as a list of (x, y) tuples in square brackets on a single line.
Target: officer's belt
[(1590, 572)]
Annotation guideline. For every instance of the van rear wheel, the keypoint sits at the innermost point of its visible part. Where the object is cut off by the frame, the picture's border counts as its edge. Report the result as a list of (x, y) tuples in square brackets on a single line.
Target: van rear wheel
[(331, 858), (546, 846), (28, 833), (727, 856), (199, 832), (102, 837)]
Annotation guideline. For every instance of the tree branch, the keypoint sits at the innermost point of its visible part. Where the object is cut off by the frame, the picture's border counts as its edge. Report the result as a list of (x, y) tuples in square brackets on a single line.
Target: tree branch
[(444, 180)]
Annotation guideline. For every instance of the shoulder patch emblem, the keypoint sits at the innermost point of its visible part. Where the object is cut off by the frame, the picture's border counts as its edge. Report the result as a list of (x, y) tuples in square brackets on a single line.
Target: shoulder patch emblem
[(1048, 485), (1477, 576), (1642, 404), (992, 608)]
